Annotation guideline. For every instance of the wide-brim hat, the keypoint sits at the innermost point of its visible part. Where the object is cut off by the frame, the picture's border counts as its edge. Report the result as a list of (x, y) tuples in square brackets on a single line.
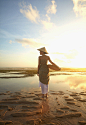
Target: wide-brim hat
[(43, 49)]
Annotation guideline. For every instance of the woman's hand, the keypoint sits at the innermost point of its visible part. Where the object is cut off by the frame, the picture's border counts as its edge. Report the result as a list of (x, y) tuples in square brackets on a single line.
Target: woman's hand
[(37, 74), (59, 68)]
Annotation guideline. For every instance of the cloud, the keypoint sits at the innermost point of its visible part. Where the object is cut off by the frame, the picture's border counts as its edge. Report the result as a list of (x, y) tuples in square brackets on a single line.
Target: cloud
[(11, 42), (80, 7), (52, 8), (47, 25), (48, 17), (69, 55), (29, 42), (33, 14), (30, 13), (66, 59)]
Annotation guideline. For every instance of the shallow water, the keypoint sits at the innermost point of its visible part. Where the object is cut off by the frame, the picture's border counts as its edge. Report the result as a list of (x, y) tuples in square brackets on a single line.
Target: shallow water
[(27, 91), (59, 81), (12, 74)]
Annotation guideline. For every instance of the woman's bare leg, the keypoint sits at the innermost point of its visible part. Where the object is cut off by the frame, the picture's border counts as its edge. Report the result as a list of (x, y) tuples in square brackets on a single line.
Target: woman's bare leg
[(42, 95), (46, 95)]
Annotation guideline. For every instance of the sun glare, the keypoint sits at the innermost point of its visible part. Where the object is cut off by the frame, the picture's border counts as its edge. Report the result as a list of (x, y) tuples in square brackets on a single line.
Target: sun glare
[(68, 46), (71, 52)]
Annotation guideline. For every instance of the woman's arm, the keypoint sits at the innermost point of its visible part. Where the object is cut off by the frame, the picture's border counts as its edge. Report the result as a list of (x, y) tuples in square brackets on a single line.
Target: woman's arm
[(38, 65), (53, 63)]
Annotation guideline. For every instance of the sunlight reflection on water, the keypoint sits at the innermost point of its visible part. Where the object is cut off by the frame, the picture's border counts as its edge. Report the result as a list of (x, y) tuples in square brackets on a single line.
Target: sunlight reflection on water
[(10, 74), (60, 82)]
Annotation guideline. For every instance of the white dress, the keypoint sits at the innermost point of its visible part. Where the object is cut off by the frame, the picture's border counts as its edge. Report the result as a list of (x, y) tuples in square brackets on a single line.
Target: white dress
[(44, 88)]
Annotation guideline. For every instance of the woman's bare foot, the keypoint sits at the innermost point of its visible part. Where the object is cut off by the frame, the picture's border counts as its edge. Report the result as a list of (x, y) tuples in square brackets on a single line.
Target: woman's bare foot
[(46, 95)]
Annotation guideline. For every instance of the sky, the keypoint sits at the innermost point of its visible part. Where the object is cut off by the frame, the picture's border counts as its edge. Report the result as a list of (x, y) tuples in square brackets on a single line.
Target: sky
[(57, 25)]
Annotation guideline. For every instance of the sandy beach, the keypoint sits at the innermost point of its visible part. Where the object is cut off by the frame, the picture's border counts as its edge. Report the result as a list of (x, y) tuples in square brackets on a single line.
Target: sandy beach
[(22, 106), (28, 108)]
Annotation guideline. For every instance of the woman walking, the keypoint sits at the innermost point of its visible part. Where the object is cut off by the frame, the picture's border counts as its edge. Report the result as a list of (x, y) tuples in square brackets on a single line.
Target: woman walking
[(43, 70)]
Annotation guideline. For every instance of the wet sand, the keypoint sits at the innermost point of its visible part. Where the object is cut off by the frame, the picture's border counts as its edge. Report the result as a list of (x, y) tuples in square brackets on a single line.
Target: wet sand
[(28, 108)]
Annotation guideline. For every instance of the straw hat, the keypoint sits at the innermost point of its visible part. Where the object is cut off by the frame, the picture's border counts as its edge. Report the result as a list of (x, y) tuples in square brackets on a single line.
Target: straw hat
[(43, 49)]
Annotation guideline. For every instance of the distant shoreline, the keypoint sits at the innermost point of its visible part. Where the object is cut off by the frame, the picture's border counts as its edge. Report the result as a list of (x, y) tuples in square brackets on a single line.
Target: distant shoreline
[(35, 69), (18, 68)]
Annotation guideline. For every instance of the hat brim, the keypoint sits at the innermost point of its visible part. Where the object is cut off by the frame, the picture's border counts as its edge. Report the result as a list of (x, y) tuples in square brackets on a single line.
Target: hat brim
[(42, 51)]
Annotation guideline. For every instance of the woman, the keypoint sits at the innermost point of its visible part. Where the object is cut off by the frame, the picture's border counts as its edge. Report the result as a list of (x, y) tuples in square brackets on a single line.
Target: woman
[(43, 70)]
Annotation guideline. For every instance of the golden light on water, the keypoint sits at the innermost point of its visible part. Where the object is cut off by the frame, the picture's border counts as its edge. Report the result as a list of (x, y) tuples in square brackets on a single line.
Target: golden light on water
[(76, 82)]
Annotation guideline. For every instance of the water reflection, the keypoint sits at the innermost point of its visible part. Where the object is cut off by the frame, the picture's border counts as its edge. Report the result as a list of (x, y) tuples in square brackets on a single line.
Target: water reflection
[(77, 82), (17, 84), (7, 75), (57, 83)]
